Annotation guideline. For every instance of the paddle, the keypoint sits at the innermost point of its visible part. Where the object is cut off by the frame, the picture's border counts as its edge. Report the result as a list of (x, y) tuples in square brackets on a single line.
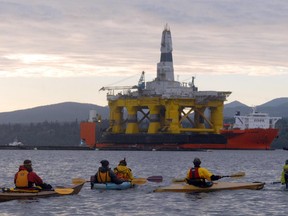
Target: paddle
[(137, 181), (79, 181), (144, 180), (64, 191), (235, 175), (277, 182), (155, 178)]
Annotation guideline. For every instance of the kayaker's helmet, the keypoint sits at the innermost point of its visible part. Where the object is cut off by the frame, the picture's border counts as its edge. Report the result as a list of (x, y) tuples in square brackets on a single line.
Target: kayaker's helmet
[(286, 162), (197, 162), (104, 163), (123, 162)]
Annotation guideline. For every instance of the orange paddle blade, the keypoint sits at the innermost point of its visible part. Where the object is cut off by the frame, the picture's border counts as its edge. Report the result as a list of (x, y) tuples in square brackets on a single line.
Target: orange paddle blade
[(78, 181), (139, 181), (64, 191)]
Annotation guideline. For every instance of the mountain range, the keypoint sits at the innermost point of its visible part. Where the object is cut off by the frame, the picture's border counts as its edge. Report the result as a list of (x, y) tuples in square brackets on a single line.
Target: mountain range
[(73, 111)]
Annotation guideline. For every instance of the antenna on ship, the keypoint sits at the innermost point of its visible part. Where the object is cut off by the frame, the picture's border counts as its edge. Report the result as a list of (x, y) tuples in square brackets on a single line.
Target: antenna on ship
[(192, 85)]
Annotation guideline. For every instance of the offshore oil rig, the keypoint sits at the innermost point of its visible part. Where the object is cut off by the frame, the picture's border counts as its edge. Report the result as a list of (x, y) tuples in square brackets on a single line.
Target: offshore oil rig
[(163, 114)]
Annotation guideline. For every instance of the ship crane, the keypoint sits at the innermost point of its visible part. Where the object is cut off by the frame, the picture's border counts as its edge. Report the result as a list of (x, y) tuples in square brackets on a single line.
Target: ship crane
[(140, 86)]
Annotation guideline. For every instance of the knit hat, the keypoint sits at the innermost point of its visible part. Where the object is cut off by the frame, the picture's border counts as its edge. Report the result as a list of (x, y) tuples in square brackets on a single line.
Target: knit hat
[(197, 162), (123, 162), (104, 163), (27, 162)]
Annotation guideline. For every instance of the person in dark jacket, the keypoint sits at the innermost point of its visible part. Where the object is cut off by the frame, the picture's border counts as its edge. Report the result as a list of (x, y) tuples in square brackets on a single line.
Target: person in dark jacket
[(284, 174), (106, 175), (197, 175), (27, 178)]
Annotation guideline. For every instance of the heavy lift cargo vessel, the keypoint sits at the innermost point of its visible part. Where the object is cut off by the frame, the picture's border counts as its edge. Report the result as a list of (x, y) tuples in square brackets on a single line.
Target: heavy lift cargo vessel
[(163, 114)]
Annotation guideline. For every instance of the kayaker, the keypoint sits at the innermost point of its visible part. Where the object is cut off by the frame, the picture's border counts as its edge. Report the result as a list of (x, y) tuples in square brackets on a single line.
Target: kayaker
[(197, 175), (26, 178), (105, 174), (284, 176), (123, 172)]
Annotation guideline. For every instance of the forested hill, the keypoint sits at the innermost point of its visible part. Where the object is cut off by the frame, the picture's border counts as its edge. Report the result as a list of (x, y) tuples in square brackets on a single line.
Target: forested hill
[(62, 112), (71, 111)]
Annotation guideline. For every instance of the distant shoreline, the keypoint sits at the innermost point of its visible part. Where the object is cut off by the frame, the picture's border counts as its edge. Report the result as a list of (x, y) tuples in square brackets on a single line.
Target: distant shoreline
[(7, 147)]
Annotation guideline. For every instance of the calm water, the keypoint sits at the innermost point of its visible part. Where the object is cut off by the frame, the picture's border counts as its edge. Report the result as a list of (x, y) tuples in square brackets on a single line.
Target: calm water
[(59, 167)]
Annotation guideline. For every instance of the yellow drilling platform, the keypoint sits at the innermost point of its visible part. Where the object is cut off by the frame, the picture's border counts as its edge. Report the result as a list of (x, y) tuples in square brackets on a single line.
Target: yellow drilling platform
[(163, 114)]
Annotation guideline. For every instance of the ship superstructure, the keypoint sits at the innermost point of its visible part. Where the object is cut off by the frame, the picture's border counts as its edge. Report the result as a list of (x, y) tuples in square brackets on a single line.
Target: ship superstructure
[(253, 131), (254, 120)]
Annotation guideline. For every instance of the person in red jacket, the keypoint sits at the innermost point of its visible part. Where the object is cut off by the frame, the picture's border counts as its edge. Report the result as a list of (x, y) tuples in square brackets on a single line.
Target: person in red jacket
[(26, 178), (197, 175)]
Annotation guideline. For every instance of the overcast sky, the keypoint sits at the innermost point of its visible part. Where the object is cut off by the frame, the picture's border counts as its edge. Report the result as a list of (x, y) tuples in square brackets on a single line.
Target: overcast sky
[(66, 50)]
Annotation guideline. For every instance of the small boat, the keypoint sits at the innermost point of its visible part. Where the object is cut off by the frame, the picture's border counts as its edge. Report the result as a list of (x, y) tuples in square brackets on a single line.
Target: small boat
[(16, 143), (183, 187), (111, 186), (15, 194)]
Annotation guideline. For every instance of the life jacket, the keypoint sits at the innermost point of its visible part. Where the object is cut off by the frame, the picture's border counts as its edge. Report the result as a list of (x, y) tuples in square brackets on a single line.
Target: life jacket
[(122, 173), (195, 179), (194, 173), (22, 179), (285, 169), (103, 177)]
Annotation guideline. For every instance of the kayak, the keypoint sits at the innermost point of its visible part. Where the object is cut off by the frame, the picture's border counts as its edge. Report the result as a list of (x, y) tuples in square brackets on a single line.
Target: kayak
[(112, 186), (16, 194), (183, 187)]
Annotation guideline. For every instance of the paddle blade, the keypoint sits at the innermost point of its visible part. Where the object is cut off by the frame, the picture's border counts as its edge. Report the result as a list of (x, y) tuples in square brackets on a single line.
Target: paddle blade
[(237, 175), (64, 191), (78, 181), (178, 180), (155, 178), (139, 181)]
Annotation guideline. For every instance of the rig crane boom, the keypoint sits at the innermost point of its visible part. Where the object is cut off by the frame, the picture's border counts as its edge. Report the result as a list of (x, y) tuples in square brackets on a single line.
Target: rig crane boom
[(140, 86)]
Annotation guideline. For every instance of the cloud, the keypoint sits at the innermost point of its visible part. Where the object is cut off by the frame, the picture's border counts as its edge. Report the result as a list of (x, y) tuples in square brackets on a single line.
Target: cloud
[(82, 38)]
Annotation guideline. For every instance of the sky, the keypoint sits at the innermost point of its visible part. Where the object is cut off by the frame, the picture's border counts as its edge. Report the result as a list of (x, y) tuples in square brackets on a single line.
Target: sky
[(64, 51)]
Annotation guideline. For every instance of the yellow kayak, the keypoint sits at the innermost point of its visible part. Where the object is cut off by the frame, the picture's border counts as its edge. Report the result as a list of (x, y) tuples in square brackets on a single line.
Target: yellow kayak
[(183, 187)]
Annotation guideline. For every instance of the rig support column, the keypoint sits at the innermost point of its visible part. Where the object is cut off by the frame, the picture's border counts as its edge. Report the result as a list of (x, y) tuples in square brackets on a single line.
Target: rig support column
[(154, 117), (132, 124), (217, 118), (172, 117), (116, 119)]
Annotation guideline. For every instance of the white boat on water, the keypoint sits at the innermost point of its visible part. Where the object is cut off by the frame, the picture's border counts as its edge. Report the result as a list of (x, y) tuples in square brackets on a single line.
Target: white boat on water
[(16, 143)]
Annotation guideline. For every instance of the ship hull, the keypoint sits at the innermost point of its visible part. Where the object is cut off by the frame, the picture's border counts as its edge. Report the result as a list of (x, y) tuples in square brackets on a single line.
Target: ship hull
[(258, 139), (162, 142), (248, 139)]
